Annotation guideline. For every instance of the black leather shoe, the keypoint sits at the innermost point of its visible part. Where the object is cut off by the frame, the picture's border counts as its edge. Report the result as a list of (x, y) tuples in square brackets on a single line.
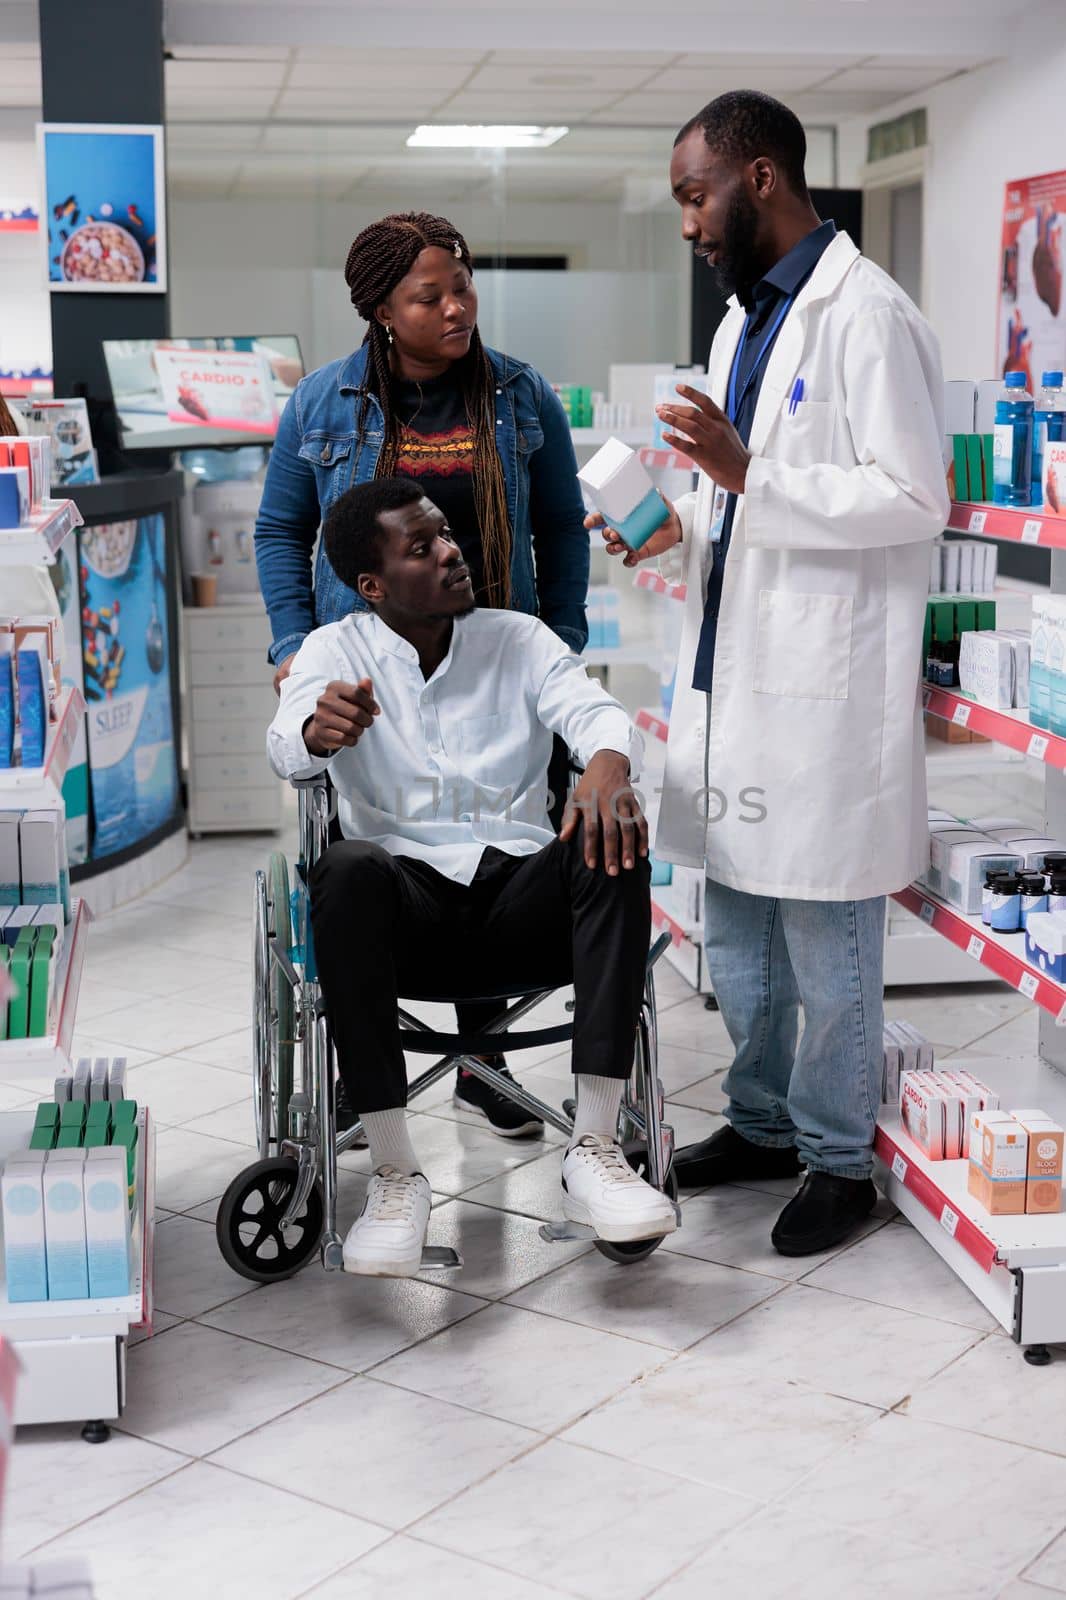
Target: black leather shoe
[(826, 1211), (727, 1157)]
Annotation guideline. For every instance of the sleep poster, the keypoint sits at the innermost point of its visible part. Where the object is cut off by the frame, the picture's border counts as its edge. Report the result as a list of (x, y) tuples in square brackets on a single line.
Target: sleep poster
[(126, 662), (1032, 304)]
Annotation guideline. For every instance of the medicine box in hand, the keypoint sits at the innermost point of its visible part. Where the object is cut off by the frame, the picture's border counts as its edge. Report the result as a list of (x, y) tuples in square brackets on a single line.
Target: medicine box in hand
[(623, 493)]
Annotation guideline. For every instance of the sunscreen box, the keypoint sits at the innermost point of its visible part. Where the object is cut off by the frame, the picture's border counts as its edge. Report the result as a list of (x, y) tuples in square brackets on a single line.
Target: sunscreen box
[(107, 1222), (22, 1190), (64, 1225), (623, 493), (999, 1151), (1043, 1178)]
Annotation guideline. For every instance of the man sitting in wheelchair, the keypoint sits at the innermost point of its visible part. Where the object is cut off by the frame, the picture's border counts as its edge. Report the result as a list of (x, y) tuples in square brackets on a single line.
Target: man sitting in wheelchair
[(435, 721)]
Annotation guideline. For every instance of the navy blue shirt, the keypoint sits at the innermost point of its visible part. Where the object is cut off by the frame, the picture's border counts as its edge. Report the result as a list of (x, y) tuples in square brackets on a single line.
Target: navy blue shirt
[(786, 278)]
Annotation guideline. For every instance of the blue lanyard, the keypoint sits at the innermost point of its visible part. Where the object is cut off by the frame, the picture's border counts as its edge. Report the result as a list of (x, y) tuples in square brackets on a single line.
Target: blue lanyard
[(735, 401)]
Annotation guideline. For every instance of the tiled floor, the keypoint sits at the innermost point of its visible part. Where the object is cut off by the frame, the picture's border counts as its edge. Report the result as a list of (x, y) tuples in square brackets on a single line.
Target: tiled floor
[(717, 1420)]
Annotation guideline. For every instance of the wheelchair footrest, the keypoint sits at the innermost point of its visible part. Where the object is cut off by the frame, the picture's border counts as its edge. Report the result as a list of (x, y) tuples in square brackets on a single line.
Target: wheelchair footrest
[(439, 1257), (565, 1232)]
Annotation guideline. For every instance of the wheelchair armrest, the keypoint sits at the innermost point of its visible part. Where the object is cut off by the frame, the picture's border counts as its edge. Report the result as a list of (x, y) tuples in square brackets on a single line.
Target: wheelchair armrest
[(317, 782)]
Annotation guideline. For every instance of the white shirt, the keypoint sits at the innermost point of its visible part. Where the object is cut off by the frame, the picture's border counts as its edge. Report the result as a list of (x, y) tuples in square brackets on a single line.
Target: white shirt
[(459, 761)]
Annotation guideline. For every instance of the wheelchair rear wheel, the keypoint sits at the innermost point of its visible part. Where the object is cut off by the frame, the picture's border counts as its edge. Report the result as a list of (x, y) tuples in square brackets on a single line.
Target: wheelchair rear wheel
[(636, 1153), (248, 1225)]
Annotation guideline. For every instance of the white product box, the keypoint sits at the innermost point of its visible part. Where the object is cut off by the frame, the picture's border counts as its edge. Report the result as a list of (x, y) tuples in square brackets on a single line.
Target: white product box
[(98, 1083), (107, 1222), (922, 1045), (969, 1100), (39, 852), (921, 1110), (988, 392), (966, 567), (936, 567), (952, 566), (17, 918), (10, 878), (22, 1190), (64, 1225), (986, 669), (967, 863), (954, 1115), (960, 399), (116, 1079), (83, 1077), (893, 1062), (622, 492)]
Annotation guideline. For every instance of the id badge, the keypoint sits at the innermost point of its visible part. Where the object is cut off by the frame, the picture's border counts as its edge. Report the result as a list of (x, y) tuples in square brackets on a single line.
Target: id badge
[(718, 505)]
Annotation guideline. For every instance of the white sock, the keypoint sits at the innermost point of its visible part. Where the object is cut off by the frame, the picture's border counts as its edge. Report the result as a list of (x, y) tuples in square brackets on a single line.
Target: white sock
[(598, 1101), (389, 1141)]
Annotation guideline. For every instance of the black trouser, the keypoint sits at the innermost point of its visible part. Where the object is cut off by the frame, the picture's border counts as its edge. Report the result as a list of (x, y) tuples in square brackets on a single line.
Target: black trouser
[(386, 926)]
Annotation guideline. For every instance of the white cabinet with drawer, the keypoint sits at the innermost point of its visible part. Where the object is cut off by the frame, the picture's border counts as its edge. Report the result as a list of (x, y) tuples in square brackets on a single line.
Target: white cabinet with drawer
[(231, 702)]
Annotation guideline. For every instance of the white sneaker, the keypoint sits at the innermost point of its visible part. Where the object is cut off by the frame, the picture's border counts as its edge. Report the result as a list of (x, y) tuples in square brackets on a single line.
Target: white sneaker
[(386, 1239), (601, 1190)]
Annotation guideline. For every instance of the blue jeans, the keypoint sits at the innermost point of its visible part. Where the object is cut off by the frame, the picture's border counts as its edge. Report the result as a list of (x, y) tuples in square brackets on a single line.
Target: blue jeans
[(766, 959)]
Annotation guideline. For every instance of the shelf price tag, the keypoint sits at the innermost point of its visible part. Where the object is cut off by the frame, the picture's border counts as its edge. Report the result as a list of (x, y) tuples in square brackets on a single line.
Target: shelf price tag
[(1037, 746), (977, 522), (961, 716), (1028, 983), (976, 947), (1031, 530), (899, 1167), (949, 1221), (927, 913)]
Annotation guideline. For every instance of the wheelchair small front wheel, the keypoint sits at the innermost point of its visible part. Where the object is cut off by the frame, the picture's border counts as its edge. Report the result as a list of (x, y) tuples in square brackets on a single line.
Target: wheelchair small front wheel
[(248, 1225), (626, 1255)]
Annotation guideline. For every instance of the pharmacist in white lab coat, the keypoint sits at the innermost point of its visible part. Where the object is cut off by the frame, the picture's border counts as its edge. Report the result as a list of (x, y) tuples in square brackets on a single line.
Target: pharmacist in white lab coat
[(795, 771)]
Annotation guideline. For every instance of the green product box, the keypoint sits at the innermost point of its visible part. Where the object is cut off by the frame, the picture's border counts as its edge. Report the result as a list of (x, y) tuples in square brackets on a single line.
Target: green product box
[(962, 467), (96, 1134), (987, 462), (18, 1007), (69, 1138), (123, 1111), (47, 1115), (43, 1138), (975, 462), (943, 621), (41, 981), (99, 1115), (5, 967), (72, 1114), (986, 616), (965, 617), (927, 634)]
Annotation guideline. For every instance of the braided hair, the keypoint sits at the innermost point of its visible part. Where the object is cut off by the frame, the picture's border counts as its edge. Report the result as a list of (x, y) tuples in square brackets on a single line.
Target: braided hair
[(379, 258)]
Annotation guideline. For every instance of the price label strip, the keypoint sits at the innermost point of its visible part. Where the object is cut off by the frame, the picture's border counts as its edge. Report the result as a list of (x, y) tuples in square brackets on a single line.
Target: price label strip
[(1028, 983), (927, 913), (1031, 530), (961, 715), (899, 1167), (949, 1221), (1037, 746), (976, 947), (977, 521)]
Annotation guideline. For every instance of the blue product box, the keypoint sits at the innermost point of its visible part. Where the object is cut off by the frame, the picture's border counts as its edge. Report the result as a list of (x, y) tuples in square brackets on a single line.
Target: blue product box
[(1045, 944), (33, 707), (7, 711)]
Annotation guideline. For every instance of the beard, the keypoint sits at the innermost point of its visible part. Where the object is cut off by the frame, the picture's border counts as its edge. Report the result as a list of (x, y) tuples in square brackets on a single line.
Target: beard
[(450, 616), (737, 270)]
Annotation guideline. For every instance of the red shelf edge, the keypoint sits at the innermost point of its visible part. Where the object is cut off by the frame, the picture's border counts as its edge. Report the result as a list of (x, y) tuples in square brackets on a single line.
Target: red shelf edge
[(999, 726), (663, 922), (1022, 525), (648, 722), (906, 1171)]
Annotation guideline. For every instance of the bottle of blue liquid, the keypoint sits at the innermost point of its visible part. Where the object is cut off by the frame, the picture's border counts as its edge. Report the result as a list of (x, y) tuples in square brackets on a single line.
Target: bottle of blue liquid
[(1012, 443), (1049, 424)]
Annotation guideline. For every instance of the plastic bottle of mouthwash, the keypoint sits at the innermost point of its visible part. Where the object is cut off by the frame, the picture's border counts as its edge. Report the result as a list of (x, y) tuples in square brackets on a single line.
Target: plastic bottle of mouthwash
[(1012, 443)]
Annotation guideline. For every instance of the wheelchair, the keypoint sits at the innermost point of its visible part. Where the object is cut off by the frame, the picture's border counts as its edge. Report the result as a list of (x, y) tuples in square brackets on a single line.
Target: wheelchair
[(281, 1209)]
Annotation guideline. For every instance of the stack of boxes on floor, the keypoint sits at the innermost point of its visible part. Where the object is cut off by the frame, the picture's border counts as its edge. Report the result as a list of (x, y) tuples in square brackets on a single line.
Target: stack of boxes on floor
[(67, 1197), (35, 908), (1015, 1157)]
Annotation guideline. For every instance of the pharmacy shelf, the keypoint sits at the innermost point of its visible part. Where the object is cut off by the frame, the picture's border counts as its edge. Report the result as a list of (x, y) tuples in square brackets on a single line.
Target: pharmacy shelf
[(651, 722), (73, 1351), (665, 460), (1015, 1265), (41, 788), (655, 583), (50, 1054), (1020, 526), (958, 760), (626, 655), (1002, 953), (594, 437), (41, 537), (1010, 728), (663, 921)]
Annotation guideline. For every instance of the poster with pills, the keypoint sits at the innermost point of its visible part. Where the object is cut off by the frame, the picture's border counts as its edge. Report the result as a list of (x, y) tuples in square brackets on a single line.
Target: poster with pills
[(1032, 306), (126, 665), (103, 214)]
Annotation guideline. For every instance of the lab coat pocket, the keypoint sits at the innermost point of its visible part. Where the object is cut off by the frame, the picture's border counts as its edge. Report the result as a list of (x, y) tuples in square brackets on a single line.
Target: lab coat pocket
[(805, 436), (803, 645)]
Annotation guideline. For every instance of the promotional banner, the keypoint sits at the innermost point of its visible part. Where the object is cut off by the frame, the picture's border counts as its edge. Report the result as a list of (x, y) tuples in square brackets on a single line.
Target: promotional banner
[(126, 653), (219, 389), (1032, 306), (66, 423), (104, 209), (64, 575)]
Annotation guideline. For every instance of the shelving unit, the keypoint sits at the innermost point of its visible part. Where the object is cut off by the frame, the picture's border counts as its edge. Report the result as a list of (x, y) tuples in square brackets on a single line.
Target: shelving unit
[(41, 537), (1016, 1266), (1010, 728), (1021, 526), (72, 1352)]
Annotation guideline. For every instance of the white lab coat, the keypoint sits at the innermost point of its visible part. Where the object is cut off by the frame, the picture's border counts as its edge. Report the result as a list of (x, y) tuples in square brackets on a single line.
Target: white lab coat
[(811, 742)]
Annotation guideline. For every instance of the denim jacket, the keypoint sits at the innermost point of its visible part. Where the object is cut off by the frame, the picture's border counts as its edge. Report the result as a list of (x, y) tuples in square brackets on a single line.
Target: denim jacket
[(316, 458)]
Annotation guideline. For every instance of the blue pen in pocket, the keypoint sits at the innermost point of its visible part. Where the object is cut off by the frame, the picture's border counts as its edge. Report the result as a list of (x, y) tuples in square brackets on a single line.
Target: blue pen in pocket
[(795, 397)]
